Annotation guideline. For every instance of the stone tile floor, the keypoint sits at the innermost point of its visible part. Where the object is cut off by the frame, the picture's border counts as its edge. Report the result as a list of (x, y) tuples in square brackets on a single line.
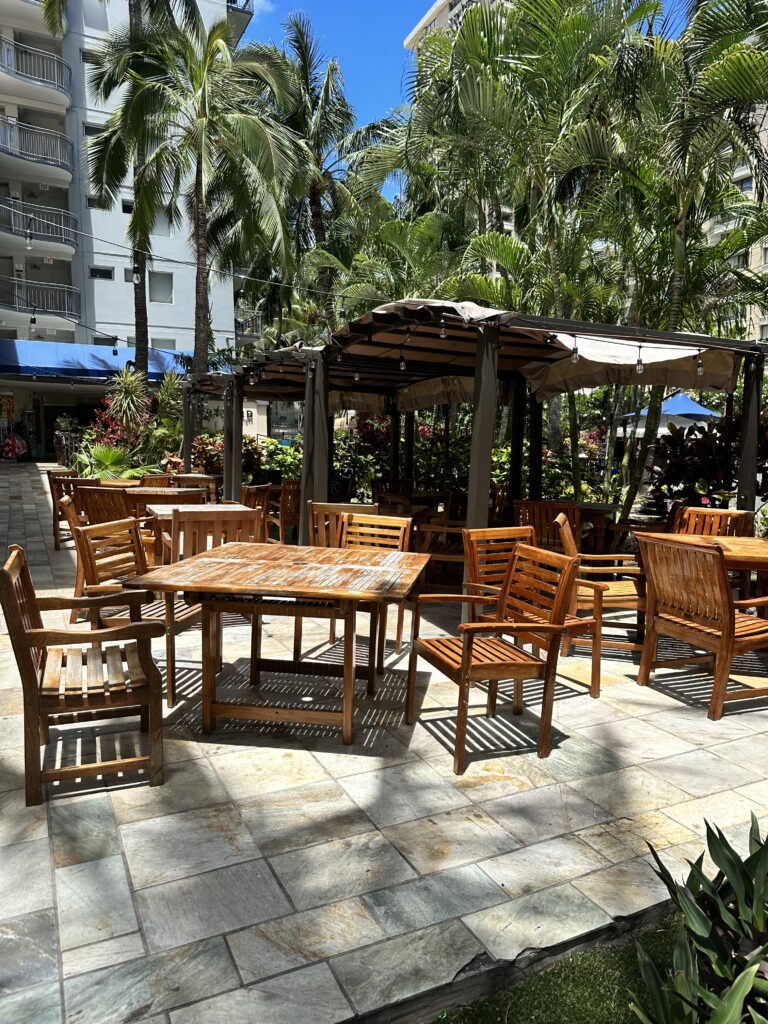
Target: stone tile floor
[(280, 877)]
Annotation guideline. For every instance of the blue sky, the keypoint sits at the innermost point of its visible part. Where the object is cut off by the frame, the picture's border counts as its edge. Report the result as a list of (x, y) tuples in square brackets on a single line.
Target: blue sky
[(365, 36)]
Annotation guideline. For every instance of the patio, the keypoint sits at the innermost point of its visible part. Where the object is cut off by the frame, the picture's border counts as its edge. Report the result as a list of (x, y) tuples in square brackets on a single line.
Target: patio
[(279, 876)]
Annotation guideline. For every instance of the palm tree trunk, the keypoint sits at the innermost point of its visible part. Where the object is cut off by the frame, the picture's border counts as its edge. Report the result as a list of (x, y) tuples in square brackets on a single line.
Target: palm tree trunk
[(653, 418), (200, 358), (610, 441), (318, 230), (139, 259)]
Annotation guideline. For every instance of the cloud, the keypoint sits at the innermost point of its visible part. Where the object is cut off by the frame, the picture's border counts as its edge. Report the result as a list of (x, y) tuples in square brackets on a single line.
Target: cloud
[(262, 7)]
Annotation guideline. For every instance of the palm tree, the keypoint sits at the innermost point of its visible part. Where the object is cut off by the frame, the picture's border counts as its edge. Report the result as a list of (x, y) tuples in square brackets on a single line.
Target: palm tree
[(206, 117)]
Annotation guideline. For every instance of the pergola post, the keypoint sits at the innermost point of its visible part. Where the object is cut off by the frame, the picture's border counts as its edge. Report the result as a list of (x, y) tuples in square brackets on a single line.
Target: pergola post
[(750, 433), (394, 457), (410, 444), (483, 425), (518, 399), (314, 469), (187, 435), (331, 444), (228, 450), (237, 437), (535, 447)]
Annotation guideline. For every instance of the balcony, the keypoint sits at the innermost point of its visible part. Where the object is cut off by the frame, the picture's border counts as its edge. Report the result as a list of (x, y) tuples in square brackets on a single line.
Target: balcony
[(22, 144), (37, 74), (27, 14), (26, 296), (46, 226), (240, 13)]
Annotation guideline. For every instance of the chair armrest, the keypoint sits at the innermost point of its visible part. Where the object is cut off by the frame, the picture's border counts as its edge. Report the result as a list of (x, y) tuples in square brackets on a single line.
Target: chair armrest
[(134, 631), (590, 585), (751, 602), (483, 587), (452, 599), (104, 600), (608, 558), (499, 628)]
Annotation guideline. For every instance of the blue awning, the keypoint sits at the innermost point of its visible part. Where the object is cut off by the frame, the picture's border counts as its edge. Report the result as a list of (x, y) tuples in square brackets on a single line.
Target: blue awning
[(682, 405), (60, 359)]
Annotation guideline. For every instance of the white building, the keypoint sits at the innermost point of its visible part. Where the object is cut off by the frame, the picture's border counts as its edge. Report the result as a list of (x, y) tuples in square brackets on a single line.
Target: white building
[(56, 281), (442, 14)]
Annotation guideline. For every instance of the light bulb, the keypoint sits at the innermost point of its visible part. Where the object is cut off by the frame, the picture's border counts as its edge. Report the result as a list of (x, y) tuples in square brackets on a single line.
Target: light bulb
[(29, 239), (575, 354), (343, 319), (443, 332), (251, 379), (639, 367), (338, 358), (403, 364), (357, 376), (700, 366), (32, 319), (114, 349), (136, 274)]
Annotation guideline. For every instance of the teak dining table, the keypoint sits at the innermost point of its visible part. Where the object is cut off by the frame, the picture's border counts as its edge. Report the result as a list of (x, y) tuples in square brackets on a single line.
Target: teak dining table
[(312, 582)]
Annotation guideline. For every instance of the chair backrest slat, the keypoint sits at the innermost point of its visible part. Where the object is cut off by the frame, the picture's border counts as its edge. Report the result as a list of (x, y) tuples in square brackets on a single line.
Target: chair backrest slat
[(541, 515), (373, 531), (157, 480), (196, 530), (104, 504), (687, 582), (68, 485), (111, 551), (256, 496), (714, 522), (488, 552), (290, 500), (326, 520), (538, 586)]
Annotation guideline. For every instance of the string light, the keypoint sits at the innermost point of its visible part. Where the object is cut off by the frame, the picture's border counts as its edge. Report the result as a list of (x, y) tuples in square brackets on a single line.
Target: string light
[(699, 366), (28, 241), (357, 376), (252, 379), (136, 273), (575, 354), (639, 366), (33, 318), (114, 348), (443, 331), (343, 319), (403, 364)]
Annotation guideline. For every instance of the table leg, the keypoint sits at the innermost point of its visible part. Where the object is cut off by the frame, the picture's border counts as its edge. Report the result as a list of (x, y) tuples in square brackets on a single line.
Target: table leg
[(372, 646), (210, 660), (348, 705)]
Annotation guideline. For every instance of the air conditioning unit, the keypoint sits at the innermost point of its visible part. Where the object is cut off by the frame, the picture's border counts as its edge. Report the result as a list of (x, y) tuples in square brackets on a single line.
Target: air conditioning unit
[(18, 267), (15, 195), (47, 259), (43, 187)]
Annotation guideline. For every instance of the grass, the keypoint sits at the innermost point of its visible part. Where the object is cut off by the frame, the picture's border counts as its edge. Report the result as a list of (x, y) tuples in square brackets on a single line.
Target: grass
[(590, 987)]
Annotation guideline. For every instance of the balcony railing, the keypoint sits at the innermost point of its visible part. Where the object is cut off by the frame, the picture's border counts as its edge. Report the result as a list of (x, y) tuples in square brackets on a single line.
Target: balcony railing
[(27, 296), (246, 6), (35, 65), (44, 223), (36, 144)]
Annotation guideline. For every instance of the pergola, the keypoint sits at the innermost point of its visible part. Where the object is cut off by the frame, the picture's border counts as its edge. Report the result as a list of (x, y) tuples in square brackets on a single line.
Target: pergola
[(414, 354)]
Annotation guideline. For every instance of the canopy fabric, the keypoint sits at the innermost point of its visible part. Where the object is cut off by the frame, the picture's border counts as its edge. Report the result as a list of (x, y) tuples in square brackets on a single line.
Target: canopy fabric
[(440, 391), (61, 359), (610, 362), (360, 401), (684, 406)]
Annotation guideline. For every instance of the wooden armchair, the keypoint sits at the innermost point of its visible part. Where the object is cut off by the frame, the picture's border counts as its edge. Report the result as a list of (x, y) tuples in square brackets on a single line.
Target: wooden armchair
[(113, 553), (157, 480), (717, 522), (196, 530), (289, 512), (104, 504), (65, 485), (532, 606), (257, 496), (541, 515), (114, 675), (499, 504), (690, 599)]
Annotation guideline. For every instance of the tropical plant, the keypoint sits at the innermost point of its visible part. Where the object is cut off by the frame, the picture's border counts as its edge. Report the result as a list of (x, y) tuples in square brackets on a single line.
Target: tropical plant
[(105, 462), (128, 398), (719, 973), (205, 117)]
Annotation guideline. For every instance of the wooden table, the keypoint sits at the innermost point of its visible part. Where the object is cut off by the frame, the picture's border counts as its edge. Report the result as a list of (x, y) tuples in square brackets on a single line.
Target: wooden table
[(161, 514), (210, 481), (244, 577), (598, 513)]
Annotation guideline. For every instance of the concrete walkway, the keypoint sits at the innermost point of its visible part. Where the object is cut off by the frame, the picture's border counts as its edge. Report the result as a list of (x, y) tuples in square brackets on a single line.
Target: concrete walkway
[(279, 877)]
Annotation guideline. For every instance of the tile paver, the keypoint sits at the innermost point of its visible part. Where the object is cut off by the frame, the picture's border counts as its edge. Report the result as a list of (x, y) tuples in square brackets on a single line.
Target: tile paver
[(278, 876)]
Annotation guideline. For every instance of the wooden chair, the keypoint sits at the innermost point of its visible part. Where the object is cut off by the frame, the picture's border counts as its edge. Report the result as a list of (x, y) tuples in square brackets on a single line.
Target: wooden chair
[(73, 521), (157, 480), (606, 583), (140, 497), (532, 606), (382, 490), (196, 530), (289, 512), (113, 553), (487, 554), (114, 675), (499, 504), (325, 520), (65, 485), (717, 522), (541, 515), (690, 599), (208, 481), (104, 504), (256, 496), (359, 530)]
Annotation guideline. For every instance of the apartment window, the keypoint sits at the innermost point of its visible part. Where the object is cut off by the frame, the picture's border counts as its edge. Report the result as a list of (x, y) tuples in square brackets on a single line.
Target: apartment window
[(763, 332), (128, 275), (127, 206), (160, 286), (765, 254), (162, 226), (739, 259), (167, 343), (101, 273), (745, 185), (88, 56), (95, 204), (89, 130)]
